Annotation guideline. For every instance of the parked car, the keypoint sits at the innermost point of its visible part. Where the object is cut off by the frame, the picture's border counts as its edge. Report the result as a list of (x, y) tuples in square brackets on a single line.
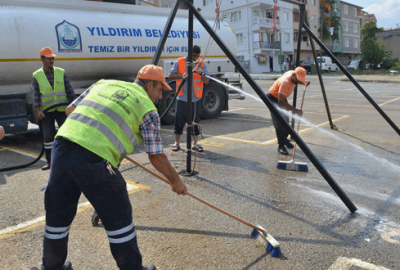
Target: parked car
[(307, 66), (353, 65), (327, 64)]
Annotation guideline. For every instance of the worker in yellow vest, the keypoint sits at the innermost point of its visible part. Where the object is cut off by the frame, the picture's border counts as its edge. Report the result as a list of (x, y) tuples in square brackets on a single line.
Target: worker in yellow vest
[(179, 73), (103, 126), (50, 86)]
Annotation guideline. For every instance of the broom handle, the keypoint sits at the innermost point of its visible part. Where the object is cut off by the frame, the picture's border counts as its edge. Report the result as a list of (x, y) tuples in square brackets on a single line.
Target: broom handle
[(197, 198), (298, 125)]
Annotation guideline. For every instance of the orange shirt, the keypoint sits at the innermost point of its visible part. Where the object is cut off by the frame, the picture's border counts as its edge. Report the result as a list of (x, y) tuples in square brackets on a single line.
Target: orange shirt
[(283, 85)]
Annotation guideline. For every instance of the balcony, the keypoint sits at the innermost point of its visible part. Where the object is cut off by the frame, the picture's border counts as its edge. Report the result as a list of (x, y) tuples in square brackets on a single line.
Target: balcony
[(262, 46), (262, 23)]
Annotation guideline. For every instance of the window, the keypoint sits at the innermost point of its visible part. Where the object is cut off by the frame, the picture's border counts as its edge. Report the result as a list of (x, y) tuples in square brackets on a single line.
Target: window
[(314, 19), (255, 12), (304, 37), (296, 16), (356, 43), (287, 38), (336, 43), (286, 16), (355, 28), (345, 9), (355, 12), (239, 38), (236, 16), (208, 2), (347, 42), (313, 2), (346, 26)]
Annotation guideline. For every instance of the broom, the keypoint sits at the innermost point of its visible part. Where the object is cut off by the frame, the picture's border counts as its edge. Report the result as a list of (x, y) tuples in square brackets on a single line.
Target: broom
[(292, 165), (271, 246)]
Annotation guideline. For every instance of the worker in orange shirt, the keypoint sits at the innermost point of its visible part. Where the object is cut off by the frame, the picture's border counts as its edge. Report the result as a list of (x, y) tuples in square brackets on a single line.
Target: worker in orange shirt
[(278, 93)]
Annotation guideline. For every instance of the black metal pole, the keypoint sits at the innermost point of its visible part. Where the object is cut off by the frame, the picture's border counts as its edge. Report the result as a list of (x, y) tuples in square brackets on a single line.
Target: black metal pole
[(344, 70), (302, 18), (321, 82), (276, 113), (189, 115), (164, 35)]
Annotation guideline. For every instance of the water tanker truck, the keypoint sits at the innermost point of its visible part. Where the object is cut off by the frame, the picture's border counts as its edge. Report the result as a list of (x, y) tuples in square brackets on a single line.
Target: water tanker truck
[(97, 40)]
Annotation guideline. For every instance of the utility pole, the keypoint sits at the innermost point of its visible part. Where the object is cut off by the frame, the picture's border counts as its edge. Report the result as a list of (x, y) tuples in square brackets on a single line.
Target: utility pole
[(321, 7)]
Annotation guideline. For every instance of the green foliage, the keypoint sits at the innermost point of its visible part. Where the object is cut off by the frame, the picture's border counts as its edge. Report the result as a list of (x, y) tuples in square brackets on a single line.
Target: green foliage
[(390, 63), (326, 34), (373, 52), (369, 30), (334, 20)]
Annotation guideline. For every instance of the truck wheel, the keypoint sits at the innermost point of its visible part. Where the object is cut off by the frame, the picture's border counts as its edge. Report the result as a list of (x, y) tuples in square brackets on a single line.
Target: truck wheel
[(213, 100), (337, 70), (329, 69), (169, 117)]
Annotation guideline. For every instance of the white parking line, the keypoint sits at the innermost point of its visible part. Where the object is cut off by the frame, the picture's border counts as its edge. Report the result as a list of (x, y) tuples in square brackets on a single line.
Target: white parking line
[(343, 263), (31, 224)]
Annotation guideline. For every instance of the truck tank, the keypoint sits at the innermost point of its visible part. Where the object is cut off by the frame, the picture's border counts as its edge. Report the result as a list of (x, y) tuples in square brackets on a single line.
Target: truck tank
[(92, 40)]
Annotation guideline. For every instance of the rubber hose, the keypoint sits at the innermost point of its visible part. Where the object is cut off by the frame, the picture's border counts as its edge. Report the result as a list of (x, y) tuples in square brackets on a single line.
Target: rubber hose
[(41, 153)]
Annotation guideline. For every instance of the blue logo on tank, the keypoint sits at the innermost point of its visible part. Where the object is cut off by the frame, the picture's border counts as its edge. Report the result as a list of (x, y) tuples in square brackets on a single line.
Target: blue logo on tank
[(68, 37)]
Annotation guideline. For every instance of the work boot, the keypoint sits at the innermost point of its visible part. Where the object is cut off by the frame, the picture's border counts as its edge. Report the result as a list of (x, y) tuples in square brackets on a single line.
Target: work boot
[(289, 144), (46, 167), (67, 265), (149, 266), (282, 150)]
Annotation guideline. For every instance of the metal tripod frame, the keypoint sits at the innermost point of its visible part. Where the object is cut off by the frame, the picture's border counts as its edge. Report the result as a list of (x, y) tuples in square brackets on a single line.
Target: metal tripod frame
[(253, 84)]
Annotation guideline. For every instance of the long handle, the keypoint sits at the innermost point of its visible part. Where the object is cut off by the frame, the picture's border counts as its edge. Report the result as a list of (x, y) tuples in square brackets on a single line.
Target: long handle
[(197, 198), (298, 125)]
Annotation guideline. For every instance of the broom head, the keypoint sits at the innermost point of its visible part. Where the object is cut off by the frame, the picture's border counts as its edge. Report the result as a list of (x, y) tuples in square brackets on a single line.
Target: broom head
[(292, 166)]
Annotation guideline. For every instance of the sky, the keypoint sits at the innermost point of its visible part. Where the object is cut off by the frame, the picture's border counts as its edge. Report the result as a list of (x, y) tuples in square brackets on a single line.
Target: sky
[(385, 11)]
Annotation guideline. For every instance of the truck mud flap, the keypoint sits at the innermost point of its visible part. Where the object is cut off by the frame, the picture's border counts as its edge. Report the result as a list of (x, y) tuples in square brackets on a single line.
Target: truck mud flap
[(13, 115)]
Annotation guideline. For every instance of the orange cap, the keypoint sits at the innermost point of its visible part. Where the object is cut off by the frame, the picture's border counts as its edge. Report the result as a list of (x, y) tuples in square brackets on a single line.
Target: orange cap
[(300, 73), (47, 52), (154, 73)]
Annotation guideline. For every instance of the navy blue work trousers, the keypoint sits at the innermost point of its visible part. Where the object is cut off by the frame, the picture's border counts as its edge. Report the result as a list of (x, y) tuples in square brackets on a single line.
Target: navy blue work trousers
[(281, 133), (48, 128), (181, 115), (75, 170)]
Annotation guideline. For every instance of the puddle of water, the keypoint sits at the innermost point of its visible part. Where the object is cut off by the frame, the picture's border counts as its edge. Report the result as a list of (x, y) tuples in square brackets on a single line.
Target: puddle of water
[(381, 160)]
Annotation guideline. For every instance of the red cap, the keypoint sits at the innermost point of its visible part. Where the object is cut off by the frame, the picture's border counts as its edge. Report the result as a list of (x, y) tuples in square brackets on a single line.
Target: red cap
[(300, 73), (47, 52), (154, 73)]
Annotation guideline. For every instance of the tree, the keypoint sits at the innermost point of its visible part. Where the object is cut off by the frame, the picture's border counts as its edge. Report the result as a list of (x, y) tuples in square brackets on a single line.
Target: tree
[(373, 52), (369, 30)]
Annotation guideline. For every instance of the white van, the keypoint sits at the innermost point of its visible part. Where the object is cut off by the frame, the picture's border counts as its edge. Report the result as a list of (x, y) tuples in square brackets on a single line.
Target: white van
[(327, 64)]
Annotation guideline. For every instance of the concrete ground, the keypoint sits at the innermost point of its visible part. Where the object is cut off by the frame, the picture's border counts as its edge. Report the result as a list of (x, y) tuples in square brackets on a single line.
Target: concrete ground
[(237, 172)]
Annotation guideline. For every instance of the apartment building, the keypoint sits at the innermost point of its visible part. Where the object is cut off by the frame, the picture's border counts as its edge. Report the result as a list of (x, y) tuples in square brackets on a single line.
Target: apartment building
[(365, 17), (313, 19), (351, 36), (263, 42)]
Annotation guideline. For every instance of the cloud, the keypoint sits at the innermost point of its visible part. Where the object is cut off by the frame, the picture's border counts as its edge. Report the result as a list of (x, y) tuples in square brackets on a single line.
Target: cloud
[(385, 10)]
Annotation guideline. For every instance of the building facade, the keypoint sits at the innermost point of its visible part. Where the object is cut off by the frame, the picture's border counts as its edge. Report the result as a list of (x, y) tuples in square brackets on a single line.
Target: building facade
[(391, 39), (313, 19), (264, 31), (365, 17), (351, 36)]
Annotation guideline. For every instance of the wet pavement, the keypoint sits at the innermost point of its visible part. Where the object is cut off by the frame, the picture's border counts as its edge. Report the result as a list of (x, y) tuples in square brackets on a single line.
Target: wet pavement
[(237, 172)]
